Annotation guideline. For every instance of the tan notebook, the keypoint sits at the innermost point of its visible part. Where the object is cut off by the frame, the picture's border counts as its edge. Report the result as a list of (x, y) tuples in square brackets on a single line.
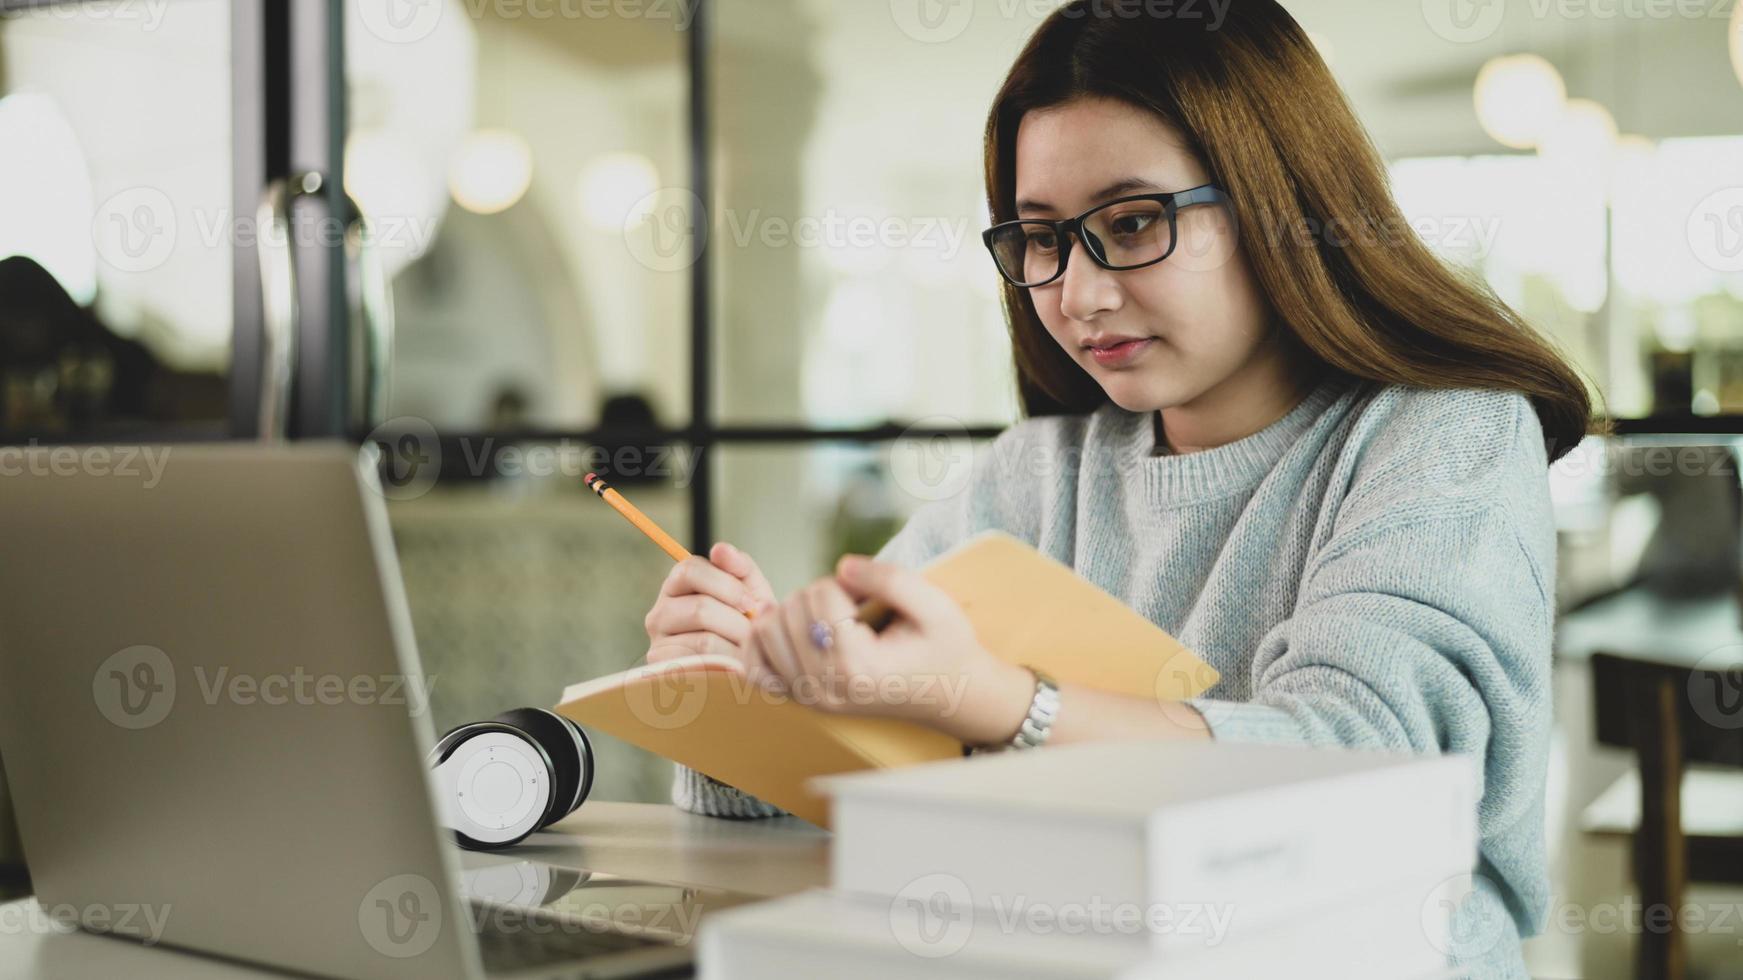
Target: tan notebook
[(1026, 608)]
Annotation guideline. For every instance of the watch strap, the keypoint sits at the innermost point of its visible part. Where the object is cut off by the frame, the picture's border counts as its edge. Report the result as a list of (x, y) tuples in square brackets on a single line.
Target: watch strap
[(1037, 724)]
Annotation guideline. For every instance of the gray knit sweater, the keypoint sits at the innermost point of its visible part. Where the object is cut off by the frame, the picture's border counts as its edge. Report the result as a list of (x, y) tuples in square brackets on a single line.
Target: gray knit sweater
[(1374, 569)]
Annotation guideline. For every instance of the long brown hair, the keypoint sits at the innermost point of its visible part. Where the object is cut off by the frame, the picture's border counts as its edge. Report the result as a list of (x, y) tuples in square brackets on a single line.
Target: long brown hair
[(1253, 99)]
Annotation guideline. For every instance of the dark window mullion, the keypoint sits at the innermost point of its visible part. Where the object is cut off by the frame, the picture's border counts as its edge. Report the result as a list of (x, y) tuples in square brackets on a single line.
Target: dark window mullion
[(726, 435), (701, 325), (260, 151), (322, 385)]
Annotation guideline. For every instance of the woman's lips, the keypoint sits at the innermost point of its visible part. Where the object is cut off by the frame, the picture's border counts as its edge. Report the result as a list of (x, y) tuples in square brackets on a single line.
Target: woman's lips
[(1121, 353)]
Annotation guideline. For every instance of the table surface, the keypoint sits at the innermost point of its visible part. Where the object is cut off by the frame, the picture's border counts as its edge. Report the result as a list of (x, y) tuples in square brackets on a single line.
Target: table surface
[(641, 840), (1687, 631)]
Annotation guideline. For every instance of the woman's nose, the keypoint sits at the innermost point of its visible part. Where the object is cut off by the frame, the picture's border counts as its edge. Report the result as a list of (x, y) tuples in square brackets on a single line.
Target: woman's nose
[(1087, 290)]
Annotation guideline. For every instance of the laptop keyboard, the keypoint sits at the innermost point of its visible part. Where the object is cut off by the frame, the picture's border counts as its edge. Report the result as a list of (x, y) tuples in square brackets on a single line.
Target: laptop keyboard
[(513, 940)]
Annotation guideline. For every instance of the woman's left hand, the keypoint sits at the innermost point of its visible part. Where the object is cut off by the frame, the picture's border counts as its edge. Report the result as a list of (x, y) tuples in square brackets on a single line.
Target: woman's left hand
[(926, 666)]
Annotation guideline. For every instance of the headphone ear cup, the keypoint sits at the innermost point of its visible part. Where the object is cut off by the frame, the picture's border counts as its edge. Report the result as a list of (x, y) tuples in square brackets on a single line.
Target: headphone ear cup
[(449, 738), (495, 817), (564, 746), (586, 765)]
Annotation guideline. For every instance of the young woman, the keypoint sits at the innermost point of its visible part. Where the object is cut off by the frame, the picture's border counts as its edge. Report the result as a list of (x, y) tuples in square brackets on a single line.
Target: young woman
[(1258, 410)]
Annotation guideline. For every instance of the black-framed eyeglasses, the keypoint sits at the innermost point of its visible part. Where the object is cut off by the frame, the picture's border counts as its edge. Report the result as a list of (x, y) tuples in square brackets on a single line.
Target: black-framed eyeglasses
[(1126, 233)]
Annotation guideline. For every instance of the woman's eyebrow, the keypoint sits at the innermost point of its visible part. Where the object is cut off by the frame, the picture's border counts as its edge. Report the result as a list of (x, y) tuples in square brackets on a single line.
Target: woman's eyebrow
[(1122, 186)]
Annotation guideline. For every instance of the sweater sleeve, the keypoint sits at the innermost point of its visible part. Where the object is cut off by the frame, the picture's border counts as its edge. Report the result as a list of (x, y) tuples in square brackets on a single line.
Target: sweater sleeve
[(1426, 626), (703, 794)]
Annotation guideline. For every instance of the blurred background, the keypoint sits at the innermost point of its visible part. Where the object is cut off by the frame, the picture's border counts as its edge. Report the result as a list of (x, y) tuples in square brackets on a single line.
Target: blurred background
[(726, 253)]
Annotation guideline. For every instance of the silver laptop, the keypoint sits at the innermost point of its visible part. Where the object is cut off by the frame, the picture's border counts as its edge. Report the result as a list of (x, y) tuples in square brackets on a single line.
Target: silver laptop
[(211, 712)]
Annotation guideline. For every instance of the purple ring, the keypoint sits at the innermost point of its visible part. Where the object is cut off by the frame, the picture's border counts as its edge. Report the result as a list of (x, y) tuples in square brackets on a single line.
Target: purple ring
[(822, 636)]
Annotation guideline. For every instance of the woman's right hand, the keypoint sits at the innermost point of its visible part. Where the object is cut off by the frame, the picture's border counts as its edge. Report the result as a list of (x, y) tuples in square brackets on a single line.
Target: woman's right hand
[(702, 604)]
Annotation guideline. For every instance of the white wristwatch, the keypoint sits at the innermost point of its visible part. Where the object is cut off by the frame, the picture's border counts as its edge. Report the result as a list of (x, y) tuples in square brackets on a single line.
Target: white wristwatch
[(1036, 726)]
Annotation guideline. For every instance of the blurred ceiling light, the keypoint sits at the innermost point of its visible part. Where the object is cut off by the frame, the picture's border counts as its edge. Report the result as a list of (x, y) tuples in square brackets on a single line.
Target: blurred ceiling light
[(1581, 141), (382, 174), (492, 170), (1518, 97), (610, 186), (410, 107)]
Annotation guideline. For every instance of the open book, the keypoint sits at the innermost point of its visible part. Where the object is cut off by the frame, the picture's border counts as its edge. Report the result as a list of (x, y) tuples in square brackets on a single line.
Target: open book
[(1026, 608)]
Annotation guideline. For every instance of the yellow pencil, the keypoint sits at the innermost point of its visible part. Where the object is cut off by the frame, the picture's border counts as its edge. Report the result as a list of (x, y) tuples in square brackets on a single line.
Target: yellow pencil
[(643, 522), (874, 613)]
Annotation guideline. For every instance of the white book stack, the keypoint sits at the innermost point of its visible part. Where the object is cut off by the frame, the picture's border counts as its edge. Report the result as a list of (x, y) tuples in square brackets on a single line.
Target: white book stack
[(1147, 859)]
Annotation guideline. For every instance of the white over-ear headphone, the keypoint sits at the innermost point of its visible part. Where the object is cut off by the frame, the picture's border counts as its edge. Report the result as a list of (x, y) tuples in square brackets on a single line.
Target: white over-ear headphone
[(499, 780)]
